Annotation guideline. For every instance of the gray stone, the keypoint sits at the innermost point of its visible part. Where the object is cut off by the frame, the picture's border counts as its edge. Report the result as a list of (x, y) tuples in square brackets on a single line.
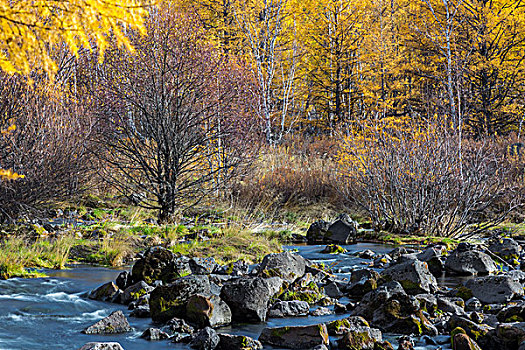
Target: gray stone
[(208, 311), (158, 263), (238, 342), (135, 291), (154, 334), (247, 298), (321, 311), (285, 265), (113, 324), (316, 232), (506, 248), (467, 261), (494, 289), (170, 301), (295, 337), (413, 275), (292, 308), (202, 266), (105, 292), (205, 339)]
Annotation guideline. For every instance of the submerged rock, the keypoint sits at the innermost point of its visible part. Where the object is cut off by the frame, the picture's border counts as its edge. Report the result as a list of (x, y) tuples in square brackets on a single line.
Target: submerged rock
[(112, 324), (295, 337)]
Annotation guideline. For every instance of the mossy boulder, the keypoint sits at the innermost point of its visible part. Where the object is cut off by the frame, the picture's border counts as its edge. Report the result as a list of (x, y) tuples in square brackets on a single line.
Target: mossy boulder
[(106, 292), (285, 265), (356, 340), (237, 342), (169, 301), (304, 289), (333, 249), (158, 263), (413, 275), (295, 337)]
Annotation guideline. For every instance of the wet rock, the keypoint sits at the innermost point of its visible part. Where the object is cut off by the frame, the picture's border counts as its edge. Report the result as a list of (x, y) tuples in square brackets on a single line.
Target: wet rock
[(356, 340), (433, 256), (202, 266), (123, 280), (141, 311), (332, 290), (178, 325), (321, 311), (248, 298), (473, 304), (511, 335), (135, 292), (366, 254), (205, 339), (405, 343), (238, 342), (506, 248), (154, 334), (333, 249), (158, 263), (466, 260), (292, 308), (494, 289), (170, 301), (105, 292), (208, 311), (112, 324), (451, 306), (102, 346), (512, 313), (295, 337), (361, 282), (304, 289), (285, 265), (414, 276)]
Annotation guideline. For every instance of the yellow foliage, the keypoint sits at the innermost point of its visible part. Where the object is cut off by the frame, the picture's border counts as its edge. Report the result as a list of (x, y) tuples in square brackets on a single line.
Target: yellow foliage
[(29, 30)]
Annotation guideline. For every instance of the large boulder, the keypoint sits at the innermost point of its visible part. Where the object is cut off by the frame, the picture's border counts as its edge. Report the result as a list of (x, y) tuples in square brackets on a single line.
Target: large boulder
[(304, 289), (316, 232), (158, 263), (413, 275), (102, 346), (511, 335), (433, 256), (135, 292), (340, 327), (113, 324), (292, 308), (285, 265), (361, 282), (208, 311), (248, 298), (295, 337), (170, 301), (238, 342), (205, 339), (466, 260), (494, 289)]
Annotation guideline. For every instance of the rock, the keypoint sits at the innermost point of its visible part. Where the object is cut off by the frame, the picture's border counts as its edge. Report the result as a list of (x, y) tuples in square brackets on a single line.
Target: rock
[(361, 282), (463, 342), (102, 346), (177, 325), (342, 231), (433, 256), (381, 261), (449, 305), (295, 337), (238, 342), (506, 248), (286, 265), (112, 324), (321, 311), (356, 340), (141, 311), (405, 343), (170, 301), (105, 292), (158, 263), (123, 280), (154, 334), (304, 289), (202, 266), (472, 329), (248, 298), (205, 339), (512, 313), (398, 252), (135, 291), (467, 261), (208, 311), (339, 327), (366, 254), (333, 249), (511, 334), (316, 232), (332, 290), (494, 289), (292, 308), (236, 268), (414, 276), (428, 302), (473, 304)]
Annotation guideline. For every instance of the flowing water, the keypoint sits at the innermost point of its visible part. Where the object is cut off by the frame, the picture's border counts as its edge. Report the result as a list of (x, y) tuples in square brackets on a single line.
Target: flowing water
[(49, 313)]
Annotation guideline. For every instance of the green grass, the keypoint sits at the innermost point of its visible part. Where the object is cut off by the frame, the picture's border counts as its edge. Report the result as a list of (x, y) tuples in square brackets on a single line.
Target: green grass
[(19, 257)]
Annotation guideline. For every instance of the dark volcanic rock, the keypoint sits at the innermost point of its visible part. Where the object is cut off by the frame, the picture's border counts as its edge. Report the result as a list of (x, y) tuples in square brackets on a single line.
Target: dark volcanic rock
[(292, 308), (248, 298), (341, 231), (135, 292), (102, 346), (112, 324), (238, 342), (494, 289), (466, 260), (316, 232), (205, 339), (208, 311), (105, 292), (157, 264), (154, 334), (286, 265), (170, 301), (202, 266), (295, 337)]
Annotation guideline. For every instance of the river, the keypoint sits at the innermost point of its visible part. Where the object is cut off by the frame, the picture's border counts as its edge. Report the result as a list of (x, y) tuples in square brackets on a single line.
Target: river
[(49, 313)]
